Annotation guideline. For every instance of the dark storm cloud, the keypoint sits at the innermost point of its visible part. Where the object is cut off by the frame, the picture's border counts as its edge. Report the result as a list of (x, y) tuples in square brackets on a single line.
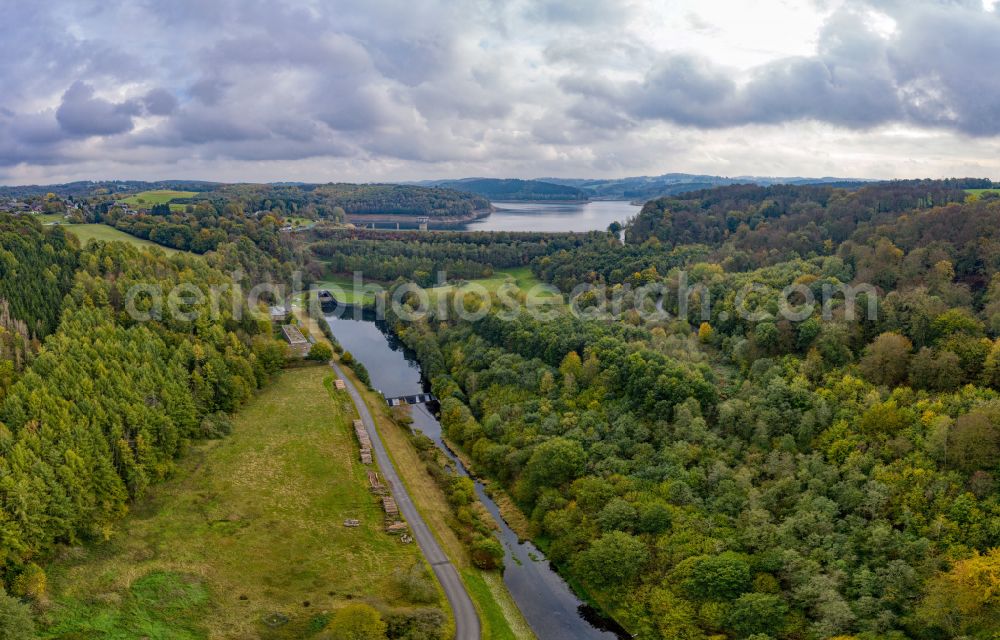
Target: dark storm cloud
[(159, 102), (937, 70), (82, 114)]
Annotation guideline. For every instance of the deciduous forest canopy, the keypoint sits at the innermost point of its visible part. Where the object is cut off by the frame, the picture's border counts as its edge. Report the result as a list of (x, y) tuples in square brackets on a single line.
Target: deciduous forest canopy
[(758, 478)]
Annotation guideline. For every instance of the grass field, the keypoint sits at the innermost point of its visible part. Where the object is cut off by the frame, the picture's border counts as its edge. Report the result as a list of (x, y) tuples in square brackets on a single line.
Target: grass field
[(974, 194), (252, 525), (522, 278), (342, 288), (159, 196), (88, 232), (519, 278), (49, 218)]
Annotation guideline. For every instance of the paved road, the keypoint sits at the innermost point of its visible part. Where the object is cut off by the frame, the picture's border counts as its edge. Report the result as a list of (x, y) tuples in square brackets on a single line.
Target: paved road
[(466, 618)]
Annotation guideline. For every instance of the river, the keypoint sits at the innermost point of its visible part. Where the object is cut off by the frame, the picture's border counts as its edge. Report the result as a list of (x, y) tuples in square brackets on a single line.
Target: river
[(548, 604)]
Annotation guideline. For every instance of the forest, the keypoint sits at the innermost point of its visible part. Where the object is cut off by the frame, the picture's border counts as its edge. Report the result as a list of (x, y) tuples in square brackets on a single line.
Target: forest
[(719, 476), (332, 200), (421, 256), (497, 189), (95, 405)]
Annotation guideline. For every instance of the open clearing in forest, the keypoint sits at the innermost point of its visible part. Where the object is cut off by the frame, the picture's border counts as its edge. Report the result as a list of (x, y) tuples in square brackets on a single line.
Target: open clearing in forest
[(979, 192), (88, 232), (516, 278), (250, 525), (147, 199), (342, 286)]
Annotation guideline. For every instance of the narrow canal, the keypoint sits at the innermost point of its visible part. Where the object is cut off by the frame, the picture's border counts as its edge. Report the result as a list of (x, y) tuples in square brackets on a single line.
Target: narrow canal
[(548, 604)]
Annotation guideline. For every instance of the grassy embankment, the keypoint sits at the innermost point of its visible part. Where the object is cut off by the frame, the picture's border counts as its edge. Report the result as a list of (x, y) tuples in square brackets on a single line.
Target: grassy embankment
[(250, 525), (159, 196), (499, 614)]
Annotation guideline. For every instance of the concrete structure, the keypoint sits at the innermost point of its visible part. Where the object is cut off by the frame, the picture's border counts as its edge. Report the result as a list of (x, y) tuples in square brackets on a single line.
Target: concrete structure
[(296, 341)]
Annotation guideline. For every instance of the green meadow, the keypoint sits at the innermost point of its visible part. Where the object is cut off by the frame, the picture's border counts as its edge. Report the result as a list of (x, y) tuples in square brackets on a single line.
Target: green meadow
[(88, 232), (247, 539), (159, 196)]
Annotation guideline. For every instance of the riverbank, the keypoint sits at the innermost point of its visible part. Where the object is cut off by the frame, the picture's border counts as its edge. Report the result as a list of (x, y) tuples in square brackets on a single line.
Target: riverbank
[(509, 511), (600, 607)]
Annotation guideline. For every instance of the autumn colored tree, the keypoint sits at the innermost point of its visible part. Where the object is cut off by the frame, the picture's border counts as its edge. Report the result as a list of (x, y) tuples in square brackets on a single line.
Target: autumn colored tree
[(965, 601), (886, 360)]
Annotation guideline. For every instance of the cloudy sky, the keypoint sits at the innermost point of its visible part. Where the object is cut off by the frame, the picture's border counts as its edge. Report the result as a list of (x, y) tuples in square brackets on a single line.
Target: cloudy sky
[(395, 90)]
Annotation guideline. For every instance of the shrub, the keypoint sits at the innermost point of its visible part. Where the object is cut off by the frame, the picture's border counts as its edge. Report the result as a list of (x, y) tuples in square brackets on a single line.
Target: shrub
[(356, 622), (419, 624), (320, 352), (16, 622), (216, 425), (487, 553), (362, 373), (416, 584)]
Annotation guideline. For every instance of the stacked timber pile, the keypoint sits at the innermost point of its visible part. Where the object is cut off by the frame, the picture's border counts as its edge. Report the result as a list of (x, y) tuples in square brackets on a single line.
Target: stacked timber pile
[(375, 483), (364, 441), (389, 504), (351, 522), (396, 527), (339, 384)]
